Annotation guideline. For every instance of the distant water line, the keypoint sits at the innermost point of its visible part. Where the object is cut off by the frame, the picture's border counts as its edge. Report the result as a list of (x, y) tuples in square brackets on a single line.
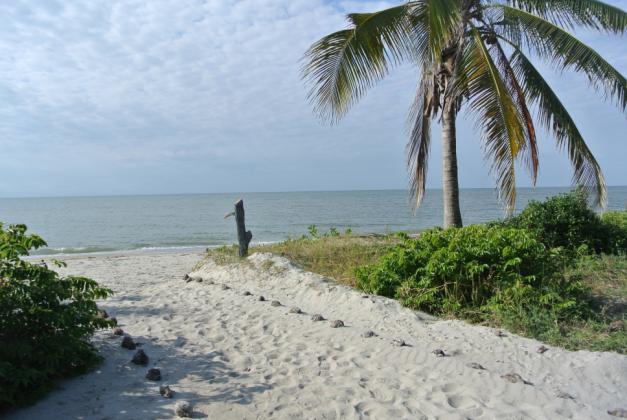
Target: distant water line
[(165, 223)]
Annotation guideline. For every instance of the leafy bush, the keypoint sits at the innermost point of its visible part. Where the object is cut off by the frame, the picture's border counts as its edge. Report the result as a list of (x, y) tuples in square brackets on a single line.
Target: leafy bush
[(476, 271), (45, 321), (567, 221), (616, 225)]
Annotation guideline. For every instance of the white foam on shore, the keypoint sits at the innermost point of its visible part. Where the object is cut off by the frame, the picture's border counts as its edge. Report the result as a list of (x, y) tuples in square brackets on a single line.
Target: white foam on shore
[(236, 357)]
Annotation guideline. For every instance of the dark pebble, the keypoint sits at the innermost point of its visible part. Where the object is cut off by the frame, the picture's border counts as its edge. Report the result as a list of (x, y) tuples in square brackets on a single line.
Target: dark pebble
[(140, 358), (183, 409), (398, 342), (564, 395), (295, 311), (542, 349), (165, 391), (618, 412), (368, 334), (439, 353), (128, 343), (261, 299), (515, 378), (118, 331), (246, 293), (153, 374), (337, 324), (475, 365)]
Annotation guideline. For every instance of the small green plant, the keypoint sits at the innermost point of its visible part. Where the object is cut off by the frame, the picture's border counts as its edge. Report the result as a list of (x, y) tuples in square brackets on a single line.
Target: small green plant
[(45, 321), (333, 232), (348, 231), (313, 231)]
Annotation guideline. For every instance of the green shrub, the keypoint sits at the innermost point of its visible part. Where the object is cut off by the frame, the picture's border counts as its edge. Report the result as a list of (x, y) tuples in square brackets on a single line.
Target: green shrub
[(478, 272), (45, 321), (616, 226), (566, 221)]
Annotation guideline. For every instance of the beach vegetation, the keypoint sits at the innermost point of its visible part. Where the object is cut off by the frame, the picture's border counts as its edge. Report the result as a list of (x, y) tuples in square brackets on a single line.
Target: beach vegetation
[(567, 221), (336, 257), (557, 272), (475, 57), (46, 320)]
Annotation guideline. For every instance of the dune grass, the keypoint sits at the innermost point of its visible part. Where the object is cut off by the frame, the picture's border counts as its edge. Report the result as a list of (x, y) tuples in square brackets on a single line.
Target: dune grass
[(336, 257)]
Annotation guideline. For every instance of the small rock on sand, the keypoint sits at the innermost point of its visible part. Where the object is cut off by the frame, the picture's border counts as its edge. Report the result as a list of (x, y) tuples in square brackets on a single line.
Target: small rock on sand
[(295, 310), (368, 334), (500, 333), (153, 374), (128, 343), (439, 353), (542, 349), (225, 287), (140, 358), (399, 342), (183, 409), (317, 317), (618, 412), (165, 391), (118, 331), (515, 378), (337, 323), (564, 395), (261, 299), (475, 365), (275, 303), (246, 293)]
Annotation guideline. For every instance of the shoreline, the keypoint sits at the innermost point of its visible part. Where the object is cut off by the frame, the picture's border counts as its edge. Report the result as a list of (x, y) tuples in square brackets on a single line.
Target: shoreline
[(201, 249)]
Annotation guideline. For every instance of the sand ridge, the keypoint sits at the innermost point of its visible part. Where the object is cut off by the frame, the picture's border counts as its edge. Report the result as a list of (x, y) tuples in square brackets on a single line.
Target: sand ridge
[(235, 357)]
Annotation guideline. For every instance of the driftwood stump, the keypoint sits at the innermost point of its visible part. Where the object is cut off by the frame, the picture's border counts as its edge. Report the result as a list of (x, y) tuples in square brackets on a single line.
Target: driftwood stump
[(243, 236)]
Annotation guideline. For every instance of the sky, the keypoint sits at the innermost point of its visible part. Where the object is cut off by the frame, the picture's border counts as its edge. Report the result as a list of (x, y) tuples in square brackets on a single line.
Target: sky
[(192, 96)]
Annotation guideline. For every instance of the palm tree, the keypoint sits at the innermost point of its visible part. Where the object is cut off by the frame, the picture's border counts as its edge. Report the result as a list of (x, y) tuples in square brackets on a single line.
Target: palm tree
[(475, 53)]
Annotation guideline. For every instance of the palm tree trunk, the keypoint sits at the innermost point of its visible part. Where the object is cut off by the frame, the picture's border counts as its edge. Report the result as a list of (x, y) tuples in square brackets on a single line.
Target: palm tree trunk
[(450, 187)]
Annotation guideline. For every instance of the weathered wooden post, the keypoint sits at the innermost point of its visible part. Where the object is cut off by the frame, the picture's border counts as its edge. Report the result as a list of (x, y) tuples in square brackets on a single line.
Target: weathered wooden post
[(243, 236)]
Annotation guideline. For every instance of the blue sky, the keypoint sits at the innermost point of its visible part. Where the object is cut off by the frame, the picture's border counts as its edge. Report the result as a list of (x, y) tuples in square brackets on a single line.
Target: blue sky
[(152, 96)]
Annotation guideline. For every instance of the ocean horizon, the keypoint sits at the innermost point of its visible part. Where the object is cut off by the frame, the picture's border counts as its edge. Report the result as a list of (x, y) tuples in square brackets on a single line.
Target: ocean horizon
[(179, 222)]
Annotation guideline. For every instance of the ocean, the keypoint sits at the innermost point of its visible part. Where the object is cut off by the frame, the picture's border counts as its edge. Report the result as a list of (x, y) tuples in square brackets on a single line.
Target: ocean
[(144, 223)]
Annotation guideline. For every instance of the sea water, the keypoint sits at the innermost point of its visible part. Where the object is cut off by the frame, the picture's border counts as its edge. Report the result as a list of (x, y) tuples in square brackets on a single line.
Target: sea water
[(141, 223)]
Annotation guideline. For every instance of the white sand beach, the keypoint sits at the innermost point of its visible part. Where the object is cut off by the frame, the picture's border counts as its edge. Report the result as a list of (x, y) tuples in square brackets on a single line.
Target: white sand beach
[(235, 357)]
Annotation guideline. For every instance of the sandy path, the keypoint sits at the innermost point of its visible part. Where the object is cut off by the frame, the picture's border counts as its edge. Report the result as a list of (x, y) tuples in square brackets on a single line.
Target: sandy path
[(235, 357)]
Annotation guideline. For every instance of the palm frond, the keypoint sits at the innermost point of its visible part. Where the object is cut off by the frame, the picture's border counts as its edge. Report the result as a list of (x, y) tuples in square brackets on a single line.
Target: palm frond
[(441, 20), (497, 116), (593, 14), (419, 122), (554, 116), (341, 66), (530, 148), (562, 49)]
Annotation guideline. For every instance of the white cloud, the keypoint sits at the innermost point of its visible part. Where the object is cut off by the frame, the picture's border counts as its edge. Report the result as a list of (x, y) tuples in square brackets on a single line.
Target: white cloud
[(153, 84)]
